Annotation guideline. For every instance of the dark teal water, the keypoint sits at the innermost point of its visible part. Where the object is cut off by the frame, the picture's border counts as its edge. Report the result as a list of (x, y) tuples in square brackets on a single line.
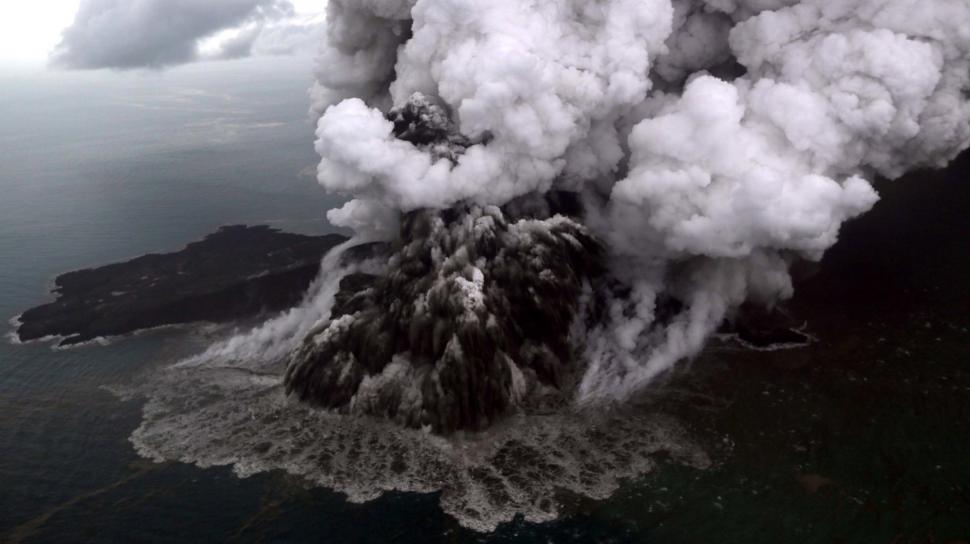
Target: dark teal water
[(861, 438)]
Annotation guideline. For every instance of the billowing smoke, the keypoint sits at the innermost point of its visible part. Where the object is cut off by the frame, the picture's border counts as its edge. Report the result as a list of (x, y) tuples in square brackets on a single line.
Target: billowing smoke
[(707, 143)]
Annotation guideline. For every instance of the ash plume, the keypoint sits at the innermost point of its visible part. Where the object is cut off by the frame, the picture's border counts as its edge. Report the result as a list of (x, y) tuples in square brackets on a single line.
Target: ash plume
[(707, 145), (468, 321)]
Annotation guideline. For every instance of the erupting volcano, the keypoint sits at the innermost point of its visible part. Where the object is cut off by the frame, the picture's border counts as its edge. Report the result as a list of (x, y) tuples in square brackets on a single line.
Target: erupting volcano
[(554, 203), (578, 194)]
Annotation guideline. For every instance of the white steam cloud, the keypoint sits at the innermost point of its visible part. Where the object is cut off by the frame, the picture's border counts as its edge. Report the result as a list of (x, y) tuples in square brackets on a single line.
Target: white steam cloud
[(713, 141)]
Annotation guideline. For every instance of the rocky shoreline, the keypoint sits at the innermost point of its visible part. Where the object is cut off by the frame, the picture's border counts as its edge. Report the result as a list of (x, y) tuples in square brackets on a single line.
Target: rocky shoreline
[(239, 271)]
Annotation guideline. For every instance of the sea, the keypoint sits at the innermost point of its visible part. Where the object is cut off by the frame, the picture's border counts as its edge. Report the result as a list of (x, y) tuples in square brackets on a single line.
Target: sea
[(862, 436)]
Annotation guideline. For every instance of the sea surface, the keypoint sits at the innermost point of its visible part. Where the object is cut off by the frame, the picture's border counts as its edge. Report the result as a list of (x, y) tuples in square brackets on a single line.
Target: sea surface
[(864, 436)]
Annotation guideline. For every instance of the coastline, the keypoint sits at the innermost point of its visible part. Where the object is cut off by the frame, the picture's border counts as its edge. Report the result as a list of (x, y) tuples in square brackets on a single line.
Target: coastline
[(236, 272)]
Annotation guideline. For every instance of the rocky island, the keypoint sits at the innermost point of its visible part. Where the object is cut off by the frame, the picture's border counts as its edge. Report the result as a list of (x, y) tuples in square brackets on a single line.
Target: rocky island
[(238, 271)]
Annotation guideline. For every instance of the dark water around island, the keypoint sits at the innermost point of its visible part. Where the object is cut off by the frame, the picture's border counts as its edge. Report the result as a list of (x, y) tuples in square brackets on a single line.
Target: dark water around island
[(862, 437)]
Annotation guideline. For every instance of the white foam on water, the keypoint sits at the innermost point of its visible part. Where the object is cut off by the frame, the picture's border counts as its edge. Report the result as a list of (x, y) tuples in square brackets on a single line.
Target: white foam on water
[(217, 416), (227, 407), (777, 346), (12, 336), (96, 341)]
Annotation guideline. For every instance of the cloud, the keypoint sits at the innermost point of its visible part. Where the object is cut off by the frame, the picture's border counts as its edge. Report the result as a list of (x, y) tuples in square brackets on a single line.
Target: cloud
[(713, 140), (129, 34)]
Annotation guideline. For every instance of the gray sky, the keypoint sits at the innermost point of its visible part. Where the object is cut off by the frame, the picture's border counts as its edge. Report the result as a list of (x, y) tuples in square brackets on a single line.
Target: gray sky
[(30, 31)]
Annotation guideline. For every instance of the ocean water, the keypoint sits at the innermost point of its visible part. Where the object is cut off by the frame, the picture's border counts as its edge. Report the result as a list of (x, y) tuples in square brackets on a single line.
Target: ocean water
[(861, 437)]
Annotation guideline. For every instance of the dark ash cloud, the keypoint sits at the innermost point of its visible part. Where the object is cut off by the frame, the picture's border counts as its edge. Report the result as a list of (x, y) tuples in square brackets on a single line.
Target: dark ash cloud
[(127, 34)]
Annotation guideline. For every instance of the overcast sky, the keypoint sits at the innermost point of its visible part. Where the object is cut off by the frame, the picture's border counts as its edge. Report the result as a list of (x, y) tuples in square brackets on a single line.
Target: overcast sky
[(30, 32)]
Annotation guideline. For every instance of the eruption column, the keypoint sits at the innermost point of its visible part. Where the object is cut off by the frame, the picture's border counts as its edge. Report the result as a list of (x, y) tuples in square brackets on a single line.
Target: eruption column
[(710, 144)]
